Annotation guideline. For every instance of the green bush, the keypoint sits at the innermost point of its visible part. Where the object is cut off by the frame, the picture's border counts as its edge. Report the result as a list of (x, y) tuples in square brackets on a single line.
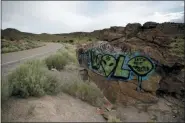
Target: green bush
[(9, 49), (69, 53), (177, 47), (32, 79), (10, 46), (71, 41), (4, 89), (86, 92), (57, 61)]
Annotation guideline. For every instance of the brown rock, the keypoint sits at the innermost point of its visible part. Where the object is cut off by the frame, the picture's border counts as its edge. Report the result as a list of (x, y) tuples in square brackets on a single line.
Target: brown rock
[(116, 29), (109, 36), (152, 84), (121, 92), (149, 25), (172, 83), (132, 29)]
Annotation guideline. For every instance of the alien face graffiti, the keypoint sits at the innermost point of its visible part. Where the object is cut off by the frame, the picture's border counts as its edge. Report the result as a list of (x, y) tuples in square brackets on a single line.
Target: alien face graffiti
[(108, 63)]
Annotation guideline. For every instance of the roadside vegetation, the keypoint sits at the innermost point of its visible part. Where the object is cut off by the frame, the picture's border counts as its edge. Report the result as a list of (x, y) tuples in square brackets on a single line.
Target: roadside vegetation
[(13, 46), (177, 47), (88, 92), (37, 78)]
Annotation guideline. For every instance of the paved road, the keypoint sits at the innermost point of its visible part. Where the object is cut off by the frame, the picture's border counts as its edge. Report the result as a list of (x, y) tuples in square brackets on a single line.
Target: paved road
[(10, 60)]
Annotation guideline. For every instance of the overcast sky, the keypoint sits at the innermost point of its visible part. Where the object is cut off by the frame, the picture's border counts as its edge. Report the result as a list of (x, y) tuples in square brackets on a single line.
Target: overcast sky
[(71, 16)]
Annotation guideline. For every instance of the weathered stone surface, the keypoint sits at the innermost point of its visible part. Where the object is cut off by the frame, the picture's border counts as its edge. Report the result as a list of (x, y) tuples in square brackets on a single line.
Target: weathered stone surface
[(132, 29), (172, 83), (109, 36), (116, 29), (172, 29), (152, 84), (149, 40), (121, 92), (149, 25)]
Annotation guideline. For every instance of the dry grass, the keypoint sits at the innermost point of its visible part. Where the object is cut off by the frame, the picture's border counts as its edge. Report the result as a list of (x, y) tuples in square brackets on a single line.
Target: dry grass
[(72, 84), (13, 46), (32, 79), (63, 57), (57, 61), (113, 119), (177, 47)]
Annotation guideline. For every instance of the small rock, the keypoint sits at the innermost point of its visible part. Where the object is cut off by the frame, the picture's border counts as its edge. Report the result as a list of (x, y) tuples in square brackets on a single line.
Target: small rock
[(153, 117), (175, 111), (53, 69), (112, 113), (100, 111), (168, 104)]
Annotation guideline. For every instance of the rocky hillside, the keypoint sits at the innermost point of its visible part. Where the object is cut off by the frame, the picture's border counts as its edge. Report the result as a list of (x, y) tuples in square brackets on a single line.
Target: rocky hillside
[(165, 41), (11, 34), (169, 29), (162, 43)]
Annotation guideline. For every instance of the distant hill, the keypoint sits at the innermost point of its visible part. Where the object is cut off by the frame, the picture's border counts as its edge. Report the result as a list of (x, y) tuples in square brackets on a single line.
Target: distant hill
[(168, 28)]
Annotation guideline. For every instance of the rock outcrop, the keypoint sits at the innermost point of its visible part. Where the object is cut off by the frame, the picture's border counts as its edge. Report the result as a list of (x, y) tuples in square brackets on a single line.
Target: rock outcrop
[(153, 40)]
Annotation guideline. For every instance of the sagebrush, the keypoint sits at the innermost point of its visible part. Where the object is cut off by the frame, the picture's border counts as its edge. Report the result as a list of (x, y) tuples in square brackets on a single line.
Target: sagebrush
[(32, 79), (85, 91)]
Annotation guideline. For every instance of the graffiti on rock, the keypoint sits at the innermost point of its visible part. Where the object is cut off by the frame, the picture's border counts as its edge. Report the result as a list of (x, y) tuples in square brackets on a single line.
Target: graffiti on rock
[(121, 66)]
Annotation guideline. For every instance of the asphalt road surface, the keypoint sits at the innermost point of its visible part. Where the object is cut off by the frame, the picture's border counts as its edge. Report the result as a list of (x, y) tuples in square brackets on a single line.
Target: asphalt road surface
[(9, 61)]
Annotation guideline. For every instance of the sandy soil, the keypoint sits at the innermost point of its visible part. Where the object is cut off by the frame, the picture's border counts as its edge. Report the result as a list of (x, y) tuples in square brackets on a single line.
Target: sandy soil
[(61, 108)]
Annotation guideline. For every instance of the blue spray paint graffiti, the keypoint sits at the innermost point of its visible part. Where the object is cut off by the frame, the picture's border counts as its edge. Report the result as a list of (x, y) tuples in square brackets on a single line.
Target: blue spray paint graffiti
[(120, 66)]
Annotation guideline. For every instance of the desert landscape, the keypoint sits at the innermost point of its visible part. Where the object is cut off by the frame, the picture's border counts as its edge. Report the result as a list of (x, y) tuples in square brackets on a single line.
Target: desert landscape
[(131, 73)]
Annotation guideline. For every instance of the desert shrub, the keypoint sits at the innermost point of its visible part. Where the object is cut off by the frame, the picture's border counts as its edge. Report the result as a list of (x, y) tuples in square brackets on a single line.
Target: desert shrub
[(71, 41), (12, 39), (57, 61), (113, 119), (32, 79), (177, 47), (11, 46), (84, 91), (4, 89), (69, 53)]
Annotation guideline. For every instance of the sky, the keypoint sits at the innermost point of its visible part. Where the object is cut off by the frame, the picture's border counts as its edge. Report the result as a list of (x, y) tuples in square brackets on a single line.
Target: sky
[(74, 16)]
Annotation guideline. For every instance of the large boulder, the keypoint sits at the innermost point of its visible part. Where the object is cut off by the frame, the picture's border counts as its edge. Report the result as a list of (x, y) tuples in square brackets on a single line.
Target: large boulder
[(116, 29), (147, 40), (121, 92), (109, 36), (132, 29), (149, 25)]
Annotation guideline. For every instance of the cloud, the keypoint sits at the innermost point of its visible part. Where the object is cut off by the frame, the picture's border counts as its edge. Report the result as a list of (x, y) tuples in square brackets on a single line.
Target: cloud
[(182, 4), (70, 16)]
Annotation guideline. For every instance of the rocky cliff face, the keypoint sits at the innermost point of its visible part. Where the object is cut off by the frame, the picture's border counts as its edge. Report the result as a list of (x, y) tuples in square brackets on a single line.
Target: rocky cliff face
[(117, 57)]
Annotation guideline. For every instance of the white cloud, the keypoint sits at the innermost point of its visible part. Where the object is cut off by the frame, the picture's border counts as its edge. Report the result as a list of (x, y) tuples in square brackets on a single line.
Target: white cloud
[(182, 4), (70, 16)]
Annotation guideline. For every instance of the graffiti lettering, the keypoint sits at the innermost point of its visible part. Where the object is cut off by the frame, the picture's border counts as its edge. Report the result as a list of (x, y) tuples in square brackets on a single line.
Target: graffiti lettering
[(118, 66), (119, 72), (140, 65)]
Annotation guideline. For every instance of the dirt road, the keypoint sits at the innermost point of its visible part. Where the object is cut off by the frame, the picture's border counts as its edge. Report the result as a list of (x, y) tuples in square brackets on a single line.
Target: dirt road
[(10, 60)]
